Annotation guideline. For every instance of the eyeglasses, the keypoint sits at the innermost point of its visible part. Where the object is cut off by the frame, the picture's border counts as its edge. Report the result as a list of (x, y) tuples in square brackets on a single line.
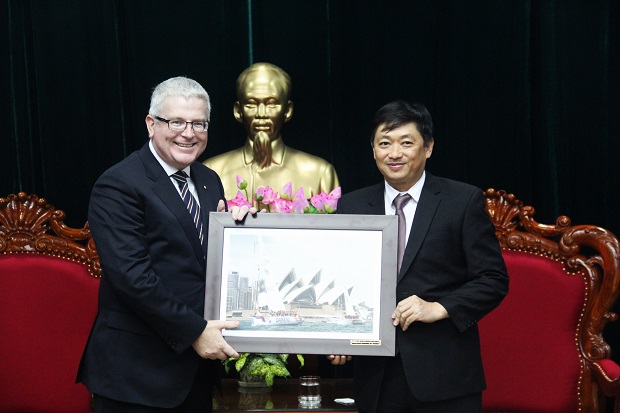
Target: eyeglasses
[(180, 125)]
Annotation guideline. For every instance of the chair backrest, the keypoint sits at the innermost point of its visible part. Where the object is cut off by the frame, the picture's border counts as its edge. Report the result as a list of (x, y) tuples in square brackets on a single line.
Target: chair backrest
[(539, 344), (49, 278)]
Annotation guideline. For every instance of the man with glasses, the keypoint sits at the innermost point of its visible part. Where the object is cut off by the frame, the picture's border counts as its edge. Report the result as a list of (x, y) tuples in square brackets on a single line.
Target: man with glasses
[(150, 349)]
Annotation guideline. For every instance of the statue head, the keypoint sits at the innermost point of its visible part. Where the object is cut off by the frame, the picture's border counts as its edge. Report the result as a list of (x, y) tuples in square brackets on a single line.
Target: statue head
[(263, 106)]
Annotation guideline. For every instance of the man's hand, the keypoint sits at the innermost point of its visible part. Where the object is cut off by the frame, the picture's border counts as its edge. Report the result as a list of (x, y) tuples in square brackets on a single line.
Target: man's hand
[(238, 213), (211, 343), (337, 360), (416, 309)]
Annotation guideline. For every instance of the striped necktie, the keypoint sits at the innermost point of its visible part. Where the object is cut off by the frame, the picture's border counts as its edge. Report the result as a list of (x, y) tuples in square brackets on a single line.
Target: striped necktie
[(190, 201)]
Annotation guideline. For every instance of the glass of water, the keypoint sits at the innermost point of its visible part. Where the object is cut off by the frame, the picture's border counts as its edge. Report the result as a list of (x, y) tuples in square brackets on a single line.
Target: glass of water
[(309, 392)]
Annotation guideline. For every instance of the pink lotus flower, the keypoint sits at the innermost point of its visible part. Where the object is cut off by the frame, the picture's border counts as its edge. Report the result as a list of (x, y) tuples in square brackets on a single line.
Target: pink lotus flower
[(326, 203), (241, 183), (285, 202), (300, 203), (239, 200), (282, 205), (331, 203), (336, 193), (287, 191), (299, 194), (300, 206), (318, 201), (266, 195)]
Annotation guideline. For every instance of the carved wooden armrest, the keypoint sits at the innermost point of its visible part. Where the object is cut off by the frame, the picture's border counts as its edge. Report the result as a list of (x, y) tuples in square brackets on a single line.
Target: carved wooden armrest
[(607, 373)]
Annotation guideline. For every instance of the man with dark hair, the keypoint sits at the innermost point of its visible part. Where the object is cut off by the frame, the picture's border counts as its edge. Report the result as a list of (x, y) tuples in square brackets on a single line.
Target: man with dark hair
[(451, 273)]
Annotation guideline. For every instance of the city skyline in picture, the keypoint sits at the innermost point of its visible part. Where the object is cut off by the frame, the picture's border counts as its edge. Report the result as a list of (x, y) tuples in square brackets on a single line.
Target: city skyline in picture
[(348, 258)]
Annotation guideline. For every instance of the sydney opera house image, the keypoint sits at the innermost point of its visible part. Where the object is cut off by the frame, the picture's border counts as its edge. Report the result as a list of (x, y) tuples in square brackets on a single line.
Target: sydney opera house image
[(292, 299), (274, 279)]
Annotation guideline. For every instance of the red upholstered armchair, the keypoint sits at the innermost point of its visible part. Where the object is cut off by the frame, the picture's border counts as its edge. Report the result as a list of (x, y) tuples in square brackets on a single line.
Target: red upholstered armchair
[(543, 347), (48, 302)]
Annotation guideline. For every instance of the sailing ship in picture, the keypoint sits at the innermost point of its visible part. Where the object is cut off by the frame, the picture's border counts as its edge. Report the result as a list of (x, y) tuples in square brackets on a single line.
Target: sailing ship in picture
[(351, 315), (269, 297), (288, 318)]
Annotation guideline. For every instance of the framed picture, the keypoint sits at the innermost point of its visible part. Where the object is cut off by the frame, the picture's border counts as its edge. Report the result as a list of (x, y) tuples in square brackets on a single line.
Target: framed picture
[(304, 283)]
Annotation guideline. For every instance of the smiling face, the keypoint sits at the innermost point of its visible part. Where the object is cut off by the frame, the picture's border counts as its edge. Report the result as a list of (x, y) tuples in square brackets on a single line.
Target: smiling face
[(178, 149), (401, 155)]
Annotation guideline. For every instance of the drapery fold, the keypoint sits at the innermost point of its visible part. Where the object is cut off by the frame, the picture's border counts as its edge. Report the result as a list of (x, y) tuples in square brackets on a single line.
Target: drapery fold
[(524, 94)]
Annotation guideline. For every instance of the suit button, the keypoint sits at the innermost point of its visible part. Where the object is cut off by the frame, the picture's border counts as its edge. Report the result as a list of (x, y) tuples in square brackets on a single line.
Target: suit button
[(171, 342)]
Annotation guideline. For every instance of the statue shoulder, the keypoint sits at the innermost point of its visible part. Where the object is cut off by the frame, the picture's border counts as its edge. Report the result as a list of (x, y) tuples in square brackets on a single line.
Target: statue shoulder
[(219, 162), (314, 168), (295, 155)]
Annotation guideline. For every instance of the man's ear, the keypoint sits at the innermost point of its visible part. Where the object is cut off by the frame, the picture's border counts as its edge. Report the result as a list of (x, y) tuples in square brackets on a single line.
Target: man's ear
[(289, 111), (150, 125), (237, 112), (429, 148)]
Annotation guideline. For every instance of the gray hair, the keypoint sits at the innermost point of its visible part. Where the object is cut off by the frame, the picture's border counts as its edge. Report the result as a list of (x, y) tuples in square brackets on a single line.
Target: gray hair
[(178, 86)]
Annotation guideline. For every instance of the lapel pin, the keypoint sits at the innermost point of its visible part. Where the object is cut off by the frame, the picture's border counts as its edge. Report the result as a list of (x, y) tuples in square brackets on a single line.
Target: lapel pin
[(204, 186)]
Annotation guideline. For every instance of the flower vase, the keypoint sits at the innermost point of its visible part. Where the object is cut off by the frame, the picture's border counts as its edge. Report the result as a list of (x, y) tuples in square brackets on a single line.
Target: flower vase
[(253, 384)]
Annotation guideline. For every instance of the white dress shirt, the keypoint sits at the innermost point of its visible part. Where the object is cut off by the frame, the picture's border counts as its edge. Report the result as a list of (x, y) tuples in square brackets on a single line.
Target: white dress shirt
[(410, 207), (170, 170)]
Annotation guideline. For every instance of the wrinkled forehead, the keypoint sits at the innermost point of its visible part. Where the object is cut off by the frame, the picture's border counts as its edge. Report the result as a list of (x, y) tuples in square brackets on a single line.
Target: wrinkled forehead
[(178, 106)]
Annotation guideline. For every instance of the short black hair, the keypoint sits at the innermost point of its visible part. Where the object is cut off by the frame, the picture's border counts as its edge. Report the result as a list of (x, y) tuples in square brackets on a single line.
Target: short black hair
[(398, 113)]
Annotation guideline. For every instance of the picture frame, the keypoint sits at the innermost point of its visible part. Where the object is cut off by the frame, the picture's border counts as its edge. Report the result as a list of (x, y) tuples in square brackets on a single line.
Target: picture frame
[(304, 283)]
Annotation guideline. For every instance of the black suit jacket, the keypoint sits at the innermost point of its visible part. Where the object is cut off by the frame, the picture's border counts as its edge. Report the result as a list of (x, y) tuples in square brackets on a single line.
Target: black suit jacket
[(151, 296), (452, 257)]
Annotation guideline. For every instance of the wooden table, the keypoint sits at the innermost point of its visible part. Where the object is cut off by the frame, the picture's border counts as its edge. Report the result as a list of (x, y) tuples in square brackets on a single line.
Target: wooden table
[(282, 397)]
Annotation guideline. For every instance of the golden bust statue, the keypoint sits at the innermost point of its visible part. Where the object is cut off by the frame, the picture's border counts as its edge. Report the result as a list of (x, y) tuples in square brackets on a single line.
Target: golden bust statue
[(263, 107)]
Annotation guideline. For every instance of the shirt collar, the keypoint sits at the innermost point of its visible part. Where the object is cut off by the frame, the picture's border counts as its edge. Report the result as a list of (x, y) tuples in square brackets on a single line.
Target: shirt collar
[(415, 191), (167, 168)]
